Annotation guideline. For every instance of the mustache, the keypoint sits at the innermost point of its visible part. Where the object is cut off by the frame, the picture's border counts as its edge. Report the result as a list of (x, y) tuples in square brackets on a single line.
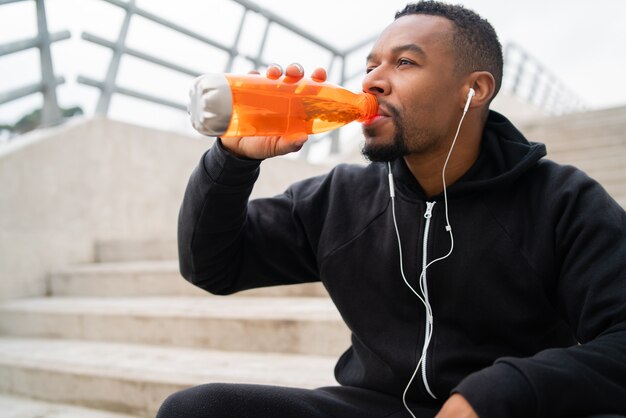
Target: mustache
[(389, 108)]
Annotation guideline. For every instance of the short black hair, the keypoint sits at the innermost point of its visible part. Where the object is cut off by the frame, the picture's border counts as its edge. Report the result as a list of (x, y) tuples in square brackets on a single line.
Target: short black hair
[(475, 41)]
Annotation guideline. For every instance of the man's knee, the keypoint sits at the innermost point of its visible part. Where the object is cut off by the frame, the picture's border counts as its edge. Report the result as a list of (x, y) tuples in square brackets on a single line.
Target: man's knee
[(213, 400)]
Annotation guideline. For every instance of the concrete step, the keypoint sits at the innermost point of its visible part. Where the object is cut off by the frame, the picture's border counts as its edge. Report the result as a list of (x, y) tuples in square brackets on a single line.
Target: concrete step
[(610, 176), (577, 137), (617, 191), (556, 142), (133, 250), (20, 407), (147, 278), (612, 179), (594, 153), (285, 325), (593, 129), (135, 379), (589, 165), (593, 119)]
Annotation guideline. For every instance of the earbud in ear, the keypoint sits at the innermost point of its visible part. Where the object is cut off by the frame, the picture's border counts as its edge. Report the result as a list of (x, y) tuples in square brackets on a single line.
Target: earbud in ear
[(471, 93)]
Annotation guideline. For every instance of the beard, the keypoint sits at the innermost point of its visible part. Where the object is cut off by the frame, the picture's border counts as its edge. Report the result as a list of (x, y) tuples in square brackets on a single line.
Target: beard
[(422, 140), (387, 152)]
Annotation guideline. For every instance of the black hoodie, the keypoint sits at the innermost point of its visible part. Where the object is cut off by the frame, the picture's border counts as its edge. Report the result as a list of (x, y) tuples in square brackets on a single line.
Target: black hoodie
[(529, 310)]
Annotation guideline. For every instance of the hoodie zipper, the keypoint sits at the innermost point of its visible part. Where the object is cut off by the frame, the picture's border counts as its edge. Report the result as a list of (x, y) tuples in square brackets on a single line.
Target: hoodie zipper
[(427, 328)]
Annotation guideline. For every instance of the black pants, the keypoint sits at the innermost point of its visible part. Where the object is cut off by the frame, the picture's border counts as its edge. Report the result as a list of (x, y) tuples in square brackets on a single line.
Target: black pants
[(219, 400)]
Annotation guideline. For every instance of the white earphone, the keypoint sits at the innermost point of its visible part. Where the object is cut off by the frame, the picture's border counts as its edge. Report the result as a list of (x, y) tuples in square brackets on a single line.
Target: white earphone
[(424, 297), (471, 93)]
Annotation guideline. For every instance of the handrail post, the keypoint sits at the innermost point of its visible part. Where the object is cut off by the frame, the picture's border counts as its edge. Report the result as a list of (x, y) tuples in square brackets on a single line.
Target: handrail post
[(108, 86), (535, 83), (335, 135), (520, 72), (234, 49), (257, 60), (50, 113)]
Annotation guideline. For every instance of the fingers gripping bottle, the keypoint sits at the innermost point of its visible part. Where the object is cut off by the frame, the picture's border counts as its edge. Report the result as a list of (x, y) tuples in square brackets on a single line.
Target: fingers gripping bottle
[(252, 105)]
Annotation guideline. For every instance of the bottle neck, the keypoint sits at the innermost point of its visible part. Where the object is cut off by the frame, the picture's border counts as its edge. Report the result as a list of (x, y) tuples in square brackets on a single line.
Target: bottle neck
[(369, 107)]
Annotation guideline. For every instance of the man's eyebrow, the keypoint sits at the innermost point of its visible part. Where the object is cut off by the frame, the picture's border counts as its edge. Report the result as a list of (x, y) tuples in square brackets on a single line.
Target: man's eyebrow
[(416, 49)]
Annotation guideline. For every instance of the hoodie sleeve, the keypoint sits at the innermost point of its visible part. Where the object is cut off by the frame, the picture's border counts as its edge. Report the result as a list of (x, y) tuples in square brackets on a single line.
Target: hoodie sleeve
[(590, 377), (227, 244)]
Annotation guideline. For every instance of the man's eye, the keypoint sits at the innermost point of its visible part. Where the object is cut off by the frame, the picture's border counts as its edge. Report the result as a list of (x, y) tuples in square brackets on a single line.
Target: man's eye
[(369, 70), (404, 61)]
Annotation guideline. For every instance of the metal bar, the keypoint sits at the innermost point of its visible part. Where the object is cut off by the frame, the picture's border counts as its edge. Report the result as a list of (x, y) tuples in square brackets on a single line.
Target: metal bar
[(89, 82), (171, 25), (507, 51), (17, 46), (519, 72), (233, 50), (50, 113), (546, 92), (288, 25), (150, 98), (137, 54), (20, 92), (335, 135), (358, 73), (24, 91), (24, 44), (3, 2), (109, 83), (132, 93), (257, 60), (359, 45), (342, 75), (331, 65), (535, 82)]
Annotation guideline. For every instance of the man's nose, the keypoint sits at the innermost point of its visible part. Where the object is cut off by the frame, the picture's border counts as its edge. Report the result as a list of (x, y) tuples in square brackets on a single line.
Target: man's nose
[(375, 83)]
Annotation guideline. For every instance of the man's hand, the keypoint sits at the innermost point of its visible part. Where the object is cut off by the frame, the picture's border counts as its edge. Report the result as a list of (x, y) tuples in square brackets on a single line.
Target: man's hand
[(456, 407), (271, 146)]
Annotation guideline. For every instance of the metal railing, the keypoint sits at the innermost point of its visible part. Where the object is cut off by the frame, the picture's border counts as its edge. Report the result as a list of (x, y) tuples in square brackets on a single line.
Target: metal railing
[(108, 87), (50, 113), (524, 76), (528, 79)]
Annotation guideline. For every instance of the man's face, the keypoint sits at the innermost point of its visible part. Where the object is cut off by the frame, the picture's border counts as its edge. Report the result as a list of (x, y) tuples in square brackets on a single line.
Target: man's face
[(411, 71)]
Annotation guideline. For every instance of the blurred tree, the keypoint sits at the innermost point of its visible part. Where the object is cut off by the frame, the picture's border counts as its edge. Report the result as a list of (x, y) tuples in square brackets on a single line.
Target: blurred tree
[(32, 120)]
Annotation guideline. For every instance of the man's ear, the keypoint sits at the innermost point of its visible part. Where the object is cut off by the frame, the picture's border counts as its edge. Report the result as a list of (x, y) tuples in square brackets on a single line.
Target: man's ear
[(484, 86)]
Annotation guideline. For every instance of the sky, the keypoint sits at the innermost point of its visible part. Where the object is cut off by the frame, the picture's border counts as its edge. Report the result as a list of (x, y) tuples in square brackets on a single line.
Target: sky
[(582, 42)]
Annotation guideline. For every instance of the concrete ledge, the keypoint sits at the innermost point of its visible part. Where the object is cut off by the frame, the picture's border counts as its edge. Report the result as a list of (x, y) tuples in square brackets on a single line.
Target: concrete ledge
[(20, 407), (135, 379), (285, 325), (148, 278), (116, 250), (67, 188)]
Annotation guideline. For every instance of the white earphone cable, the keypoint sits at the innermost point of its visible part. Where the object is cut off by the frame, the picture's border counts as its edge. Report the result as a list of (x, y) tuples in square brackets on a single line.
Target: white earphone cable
[(428, 332)]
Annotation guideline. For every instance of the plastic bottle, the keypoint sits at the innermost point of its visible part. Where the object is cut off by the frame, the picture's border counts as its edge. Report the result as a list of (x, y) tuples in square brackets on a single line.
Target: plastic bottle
[(253, 105)]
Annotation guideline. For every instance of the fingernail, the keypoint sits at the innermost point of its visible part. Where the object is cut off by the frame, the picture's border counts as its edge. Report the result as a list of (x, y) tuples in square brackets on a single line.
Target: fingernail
[(300, 67), (276, 66)]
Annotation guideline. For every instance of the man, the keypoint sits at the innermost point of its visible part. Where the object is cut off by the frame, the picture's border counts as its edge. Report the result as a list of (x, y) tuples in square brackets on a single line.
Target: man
[(523, 314)]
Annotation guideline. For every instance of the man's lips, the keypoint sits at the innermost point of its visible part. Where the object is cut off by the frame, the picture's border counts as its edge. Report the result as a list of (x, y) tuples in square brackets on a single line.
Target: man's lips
[(381, 116), (376, 119)]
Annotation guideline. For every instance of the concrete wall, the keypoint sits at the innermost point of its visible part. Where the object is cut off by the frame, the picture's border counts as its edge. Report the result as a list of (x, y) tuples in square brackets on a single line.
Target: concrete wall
[(64, 189), (516, 110)]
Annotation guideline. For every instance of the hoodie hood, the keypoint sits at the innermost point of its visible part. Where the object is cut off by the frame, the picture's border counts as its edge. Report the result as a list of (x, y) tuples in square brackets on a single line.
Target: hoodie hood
[(505, 155)]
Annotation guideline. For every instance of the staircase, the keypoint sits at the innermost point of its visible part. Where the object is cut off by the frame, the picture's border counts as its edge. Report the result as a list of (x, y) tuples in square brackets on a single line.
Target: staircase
[(121, 334), (592, 141), (114, 338)]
